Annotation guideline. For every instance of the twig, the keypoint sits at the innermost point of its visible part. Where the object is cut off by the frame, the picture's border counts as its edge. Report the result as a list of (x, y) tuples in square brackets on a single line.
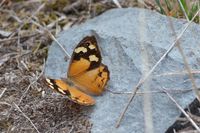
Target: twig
[(17, 107), (177, 73), (12, 14), (145, 92), (117, 3), (4, 90), (194, 86), (25, 92), (147, 105), (32, 84), (73, 6), (194, 117), (2, 3), (18, 39), (89, 7), (52, 36), (27, 20), (145, 4), (5, 103), (15, 38), (142, 80), (183, 111)]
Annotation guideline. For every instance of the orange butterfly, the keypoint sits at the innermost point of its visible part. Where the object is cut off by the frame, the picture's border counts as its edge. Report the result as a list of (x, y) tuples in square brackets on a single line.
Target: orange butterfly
[(86, 74)]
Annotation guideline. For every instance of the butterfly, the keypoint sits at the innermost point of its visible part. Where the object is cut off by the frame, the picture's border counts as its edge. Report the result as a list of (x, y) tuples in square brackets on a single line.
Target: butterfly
[(86, 76)]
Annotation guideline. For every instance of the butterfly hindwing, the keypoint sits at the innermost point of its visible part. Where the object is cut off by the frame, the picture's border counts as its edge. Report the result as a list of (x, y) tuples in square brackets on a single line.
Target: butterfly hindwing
[(71, 92), (93, 81)]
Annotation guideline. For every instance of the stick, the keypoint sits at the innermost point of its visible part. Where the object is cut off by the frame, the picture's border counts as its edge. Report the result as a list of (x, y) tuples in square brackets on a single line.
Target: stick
[(4, 90), (183, 111), (194, 86), (153, 92), (52, 36), (17, 107)]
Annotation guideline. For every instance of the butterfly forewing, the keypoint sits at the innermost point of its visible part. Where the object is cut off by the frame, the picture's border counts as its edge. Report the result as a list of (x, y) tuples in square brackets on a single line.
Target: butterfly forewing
[(86, 68), (86, 56)]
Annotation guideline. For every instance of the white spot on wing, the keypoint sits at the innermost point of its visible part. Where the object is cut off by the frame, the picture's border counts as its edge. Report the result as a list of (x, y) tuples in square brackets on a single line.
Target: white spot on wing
[(80, 49), (92, 46), (48, 80), (60, 90), (51, 87), (93, 58)]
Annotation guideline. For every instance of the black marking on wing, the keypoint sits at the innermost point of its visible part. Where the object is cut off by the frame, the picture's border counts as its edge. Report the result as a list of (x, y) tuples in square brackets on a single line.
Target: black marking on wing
[(106, 70), (55, 86), (86, 42), (67, 93)]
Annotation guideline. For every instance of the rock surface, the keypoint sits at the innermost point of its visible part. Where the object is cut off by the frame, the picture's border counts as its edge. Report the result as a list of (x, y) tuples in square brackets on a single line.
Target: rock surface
[(132, 40)]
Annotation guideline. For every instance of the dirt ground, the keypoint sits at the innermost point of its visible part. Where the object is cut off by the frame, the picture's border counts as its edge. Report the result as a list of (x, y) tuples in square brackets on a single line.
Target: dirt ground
[(27, 104)]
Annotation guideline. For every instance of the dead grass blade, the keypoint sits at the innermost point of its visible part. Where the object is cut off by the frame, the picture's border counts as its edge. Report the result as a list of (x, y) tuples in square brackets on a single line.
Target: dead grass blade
[(17, 107), (4, 90), (193, 71), (2, 2), (24, 94), (15, 38), (12, 14), (178, 90), (27, 89), (183, 111), (143, 79), (72, 6), (194, 86), (4, 59), (186, 62), (52, 37), (27, 20), (117, 3)]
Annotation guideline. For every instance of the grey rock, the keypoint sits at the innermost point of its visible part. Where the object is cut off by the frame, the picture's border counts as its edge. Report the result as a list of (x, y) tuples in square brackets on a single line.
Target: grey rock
[(132, 40)]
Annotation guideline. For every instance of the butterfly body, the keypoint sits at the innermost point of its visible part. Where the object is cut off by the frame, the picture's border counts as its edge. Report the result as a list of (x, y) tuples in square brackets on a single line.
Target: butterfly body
[(86, 74)]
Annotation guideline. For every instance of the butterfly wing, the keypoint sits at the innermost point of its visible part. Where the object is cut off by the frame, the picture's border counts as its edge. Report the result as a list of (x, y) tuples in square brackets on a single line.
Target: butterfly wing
[(93, 81), (86, 68), (86, 56), (72, 93)]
